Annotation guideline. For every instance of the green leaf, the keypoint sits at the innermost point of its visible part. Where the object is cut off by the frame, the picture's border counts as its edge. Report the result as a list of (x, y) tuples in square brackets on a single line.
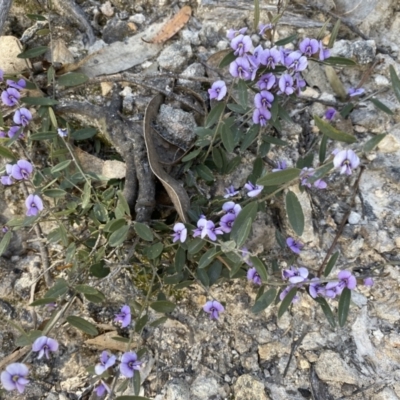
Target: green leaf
[(333, 133), (196, 245), (321, 172), (59, 288), (43, 136), (326, 310), (279, 177), (260, 268), (340, 61), (214, 114), (136, 382), (35, 52), (227, 138), (82, 325), (159, 321), (256, 13), (232, 164), (36, 17), (334, 34), (191, 155), (114, 225), (144, 231), (96, 298), (378, 104), (43, 32), (242, 225), (100, 212), (346, 110), (281, 240), (395, 82), (85, 133), (39, 101), (217, 158), (154, 251), (72, 79), (250, 136), (5, 242), (203, 277), (306, 161), (141, 323), (264, 301), (163, 306), (54, 193), (227, 59), (331, 263), (86, 195), (4, 152), (42, 302), (180, 259), (372, 143), (119, 236), (207, 258), (99, 270), (274, 140), (242, 92), (59, 167), (322, 148), (236, 108), (287, 301), (205, 173), (122, 203), (294, 213), (286, 40), (86, 289), (214, 272), (344, 306)]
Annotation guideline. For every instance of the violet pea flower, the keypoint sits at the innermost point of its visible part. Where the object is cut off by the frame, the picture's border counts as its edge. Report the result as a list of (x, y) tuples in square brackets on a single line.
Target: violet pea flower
[(280, 166), (240, 68), (267, 81), (22, 116), (226, 222), (217, 90), (285, 292), (261, 116), (230, 192), (323, 53), (19, 85), (316, 288), (286, 84), (263, 99), (270, 57), (101, 388), (253, 190), (295, 61), (180, 233), (10, 97), (107, 360), (14, 377), (22, 170), (34, 204), (294, 245), (213, 308), (347, 279), (241, 44), (232, 33), (230, 207), (309, 46), (13, 131), (246, 256), (124, 316), (43, 345), (355, 92), (333, 289), (62, 132), (264, 27), (346, 160), (129, 364), (252, 275), (330, 114), (368, 282)]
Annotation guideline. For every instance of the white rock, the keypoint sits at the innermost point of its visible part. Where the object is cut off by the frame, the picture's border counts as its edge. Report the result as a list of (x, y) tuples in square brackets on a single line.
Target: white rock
[(137, 19), (331, 367), (354, 218)]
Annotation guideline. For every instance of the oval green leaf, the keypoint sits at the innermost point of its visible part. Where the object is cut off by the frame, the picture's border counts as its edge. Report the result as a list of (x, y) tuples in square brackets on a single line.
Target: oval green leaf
[(279, 177), (331, 263), (264, 301), (196, 245), (260, 268), (395, 82), (59, 288), (215, 114), (72, 79), (333, 133), (54, 193), (5, 242), (287, 301), (242, 225), (119, 236), (35, 52), (344, 306), (326, 310), (372, 143), (163, 306), (39, 101), (294, 213), (44, 301), (144, 231), (59, 167), (207, 258), (4, 152), (82, 325)]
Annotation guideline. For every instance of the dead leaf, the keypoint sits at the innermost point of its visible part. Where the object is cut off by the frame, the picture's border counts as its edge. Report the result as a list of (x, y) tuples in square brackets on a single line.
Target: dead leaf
[(106, 342), (14, 356), (9, 62), (59, 52), (173, 26), (335, 82), (176, 192)]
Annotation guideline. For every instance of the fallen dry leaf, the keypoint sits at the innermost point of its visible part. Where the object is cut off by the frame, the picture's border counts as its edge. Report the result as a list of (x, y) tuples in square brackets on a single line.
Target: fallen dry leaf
[(9, 62), (106, 342), (173, 26)]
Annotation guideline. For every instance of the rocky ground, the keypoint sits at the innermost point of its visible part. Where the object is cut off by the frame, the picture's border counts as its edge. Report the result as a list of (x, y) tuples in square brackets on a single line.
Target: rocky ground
[(241, 356)]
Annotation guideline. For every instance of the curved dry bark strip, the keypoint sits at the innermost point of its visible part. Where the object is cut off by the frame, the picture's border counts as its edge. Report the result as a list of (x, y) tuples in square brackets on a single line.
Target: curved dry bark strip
[(71, 11), (5, 6)]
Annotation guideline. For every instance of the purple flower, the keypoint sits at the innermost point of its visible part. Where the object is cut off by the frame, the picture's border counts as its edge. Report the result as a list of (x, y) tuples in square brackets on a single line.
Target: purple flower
[(316, 288), (107, 360), (200, 225), (284, 293), (2, 134), (294, 245), (261, 116), (7, 179), (270, 57), (22, 116), (213, 308), (230, 207), (280, 166), (10, 97), (51, 306), (246, 256), (333, 289), (101, 388), (207, 228), (240, 68), (286, 84), (43, 345), (124, 316), (252, 275), (323, 53), (263, 99), (368, 281), (256, 53), (22, 170), (347, 279), (355, 92), (14, 130), (295, 61), (299, 83), (307, 173), (218, 90), (346, 160), (253, 66), (330, 114), (262, 28), (1, 74), (267, 81), (232, 33), (298, 275), (320, 184), (180, 232), (129, 364), (62, 132), (253, 190), (226, 222), (34, 204), (5, 228), (19, 85), (309, 46), (241, 44), (230, 192), (14, 377)]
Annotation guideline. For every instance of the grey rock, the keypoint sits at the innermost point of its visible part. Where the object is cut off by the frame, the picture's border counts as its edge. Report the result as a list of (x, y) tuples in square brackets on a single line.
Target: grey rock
[(247, 387), (331, 367), (342, 48), (354, 218), (175, 56), (355, 11), (364, 51), (179, 126), (52, 396), (371, 119), (204, 387), (116, 31), (193, 70), (138, 19), (177, 389)]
